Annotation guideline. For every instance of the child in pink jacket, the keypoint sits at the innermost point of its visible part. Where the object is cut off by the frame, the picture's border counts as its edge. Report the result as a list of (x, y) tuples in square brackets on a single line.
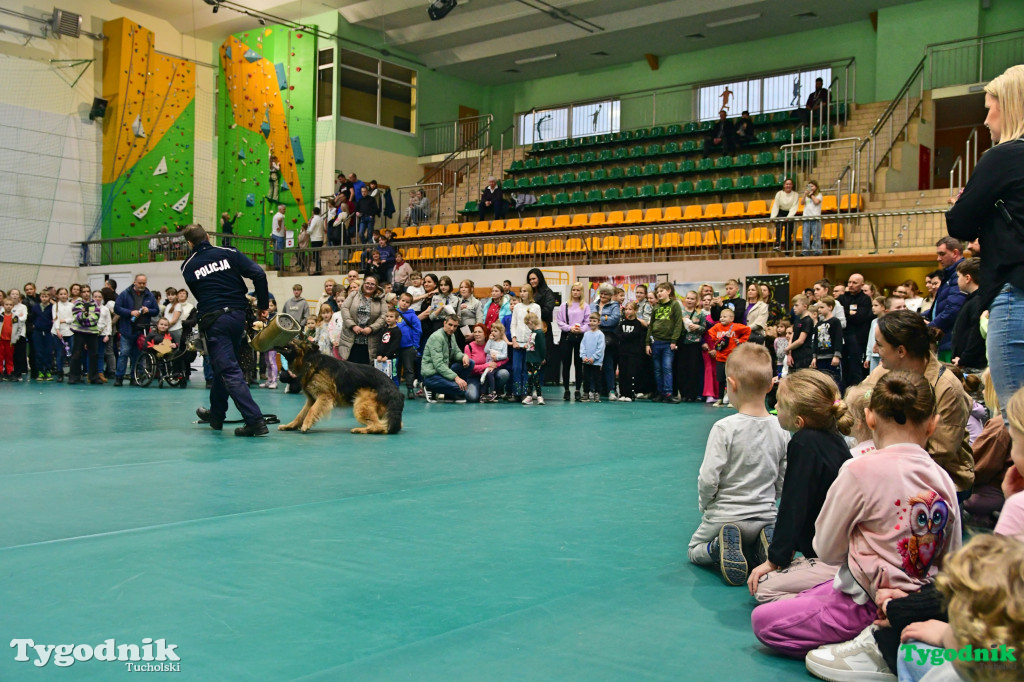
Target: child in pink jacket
[(889, 519)]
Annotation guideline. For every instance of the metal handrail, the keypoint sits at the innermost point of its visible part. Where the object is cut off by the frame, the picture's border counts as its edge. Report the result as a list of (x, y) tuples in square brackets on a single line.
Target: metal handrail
[(967, 153), (483, 120), (958, 168)]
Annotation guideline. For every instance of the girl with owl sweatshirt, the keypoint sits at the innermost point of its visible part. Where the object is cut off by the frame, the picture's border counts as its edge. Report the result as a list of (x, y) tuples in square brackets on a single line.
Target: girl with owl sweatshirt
[(888, 520)]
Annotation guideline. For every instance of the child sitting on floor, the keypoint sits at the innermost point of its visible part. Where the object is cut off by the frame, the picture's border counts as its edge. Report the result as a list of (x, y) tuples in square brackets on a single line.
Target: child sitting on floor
[(742, 472)]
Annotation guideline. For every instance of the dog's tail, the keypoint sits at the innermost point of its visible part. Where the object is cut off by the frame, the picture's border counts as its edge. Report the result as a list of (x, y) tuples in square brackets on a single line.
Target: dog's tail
[(394, 412)]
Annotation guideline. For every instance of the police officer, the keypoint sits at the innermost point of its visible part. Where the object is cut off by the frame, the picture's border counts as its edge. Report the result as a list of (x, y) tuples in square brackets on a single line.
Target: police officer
[(214, 275)]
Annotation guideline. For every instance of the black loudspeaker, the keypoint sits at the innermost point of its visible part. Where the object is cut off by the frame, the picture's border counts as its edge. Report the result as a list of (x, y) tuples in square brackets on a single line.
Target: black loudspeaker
[(439, 9), (99, 107)]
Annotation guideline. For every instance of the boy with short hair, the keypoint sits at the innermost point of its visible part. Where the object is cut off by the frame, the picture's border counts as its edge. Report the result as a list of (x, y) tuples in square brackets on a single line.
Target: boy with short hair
[(725, 336), (411, 329), (968, 345), (8, 337), (665, 328), (389, 343), (592, 354), (732, 301), (742, 472), (828, 341), (800, 352), (415, 287)]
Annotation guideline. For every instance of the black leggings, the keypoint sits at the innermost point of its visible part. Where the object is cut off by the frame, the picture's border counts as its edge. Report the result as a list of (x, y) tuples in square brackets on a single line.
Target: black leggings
[(570, 345), (689, 371)]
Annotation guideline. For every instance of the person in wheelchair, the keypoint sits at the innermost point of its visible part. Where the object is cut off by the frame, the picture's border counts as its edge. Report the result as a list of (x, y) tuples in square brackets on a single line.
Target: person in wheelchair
[(164, 359)]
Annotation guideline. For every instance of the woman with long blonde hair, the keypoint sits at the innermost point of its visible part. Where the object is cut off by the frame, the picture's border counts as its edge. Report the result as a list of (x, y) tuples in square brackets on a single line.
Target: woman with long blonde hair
[(571, 318), (991, 209)]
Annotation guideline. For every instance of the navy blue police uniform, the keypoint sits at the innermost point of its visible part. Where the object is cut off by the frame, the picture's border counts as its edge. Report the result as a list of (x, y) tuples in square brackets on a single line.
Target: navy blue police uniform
[(214, 275)]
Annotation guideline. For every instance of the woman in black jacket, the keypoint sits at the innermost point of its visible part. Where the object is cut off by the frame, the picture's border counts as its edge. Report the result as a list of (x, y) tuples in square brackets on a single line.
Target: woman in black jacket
[(991, 209), (546, 299)]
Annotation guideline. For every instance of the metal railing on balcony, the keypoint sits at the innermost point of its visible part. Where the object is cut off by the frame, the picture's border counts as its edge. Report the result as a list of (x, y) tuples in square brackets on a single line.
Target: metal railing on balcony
[(165, 247), (447, 136), (973, 60)]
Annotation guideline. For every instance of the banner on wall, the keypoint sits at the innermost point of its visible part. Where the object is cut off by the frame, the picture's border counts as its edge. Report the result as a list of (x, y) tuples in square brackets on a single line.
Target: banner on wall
[(628, 283), (779, 285), (682, 288)]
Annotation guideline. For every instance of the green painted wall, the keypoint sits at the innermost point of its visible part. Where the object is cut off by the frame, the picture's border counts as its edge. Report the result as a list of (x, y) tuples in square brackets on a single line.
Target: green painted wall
[(1002, 15), (243, 154), (130, 192)]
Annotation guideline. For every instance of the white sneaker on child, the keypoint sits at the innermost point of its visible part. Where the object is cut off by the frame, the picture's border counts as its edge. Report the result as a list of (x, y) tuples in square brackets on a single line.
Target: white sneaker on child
[(540, 400), (528, 400), (858, 659)]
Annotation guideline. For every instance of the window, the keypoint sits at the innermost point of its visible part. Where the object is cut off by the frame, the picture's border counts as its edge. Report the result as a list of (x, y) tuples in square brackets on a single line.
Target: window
[(592, 118), (762, 95), (325, 83), (376, 92)]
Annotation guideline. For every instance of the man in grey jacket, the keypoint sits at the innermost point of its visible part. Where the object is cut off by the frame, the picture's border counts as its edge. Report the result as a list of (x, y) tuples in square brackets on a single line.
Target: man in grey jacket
[(297, 306)]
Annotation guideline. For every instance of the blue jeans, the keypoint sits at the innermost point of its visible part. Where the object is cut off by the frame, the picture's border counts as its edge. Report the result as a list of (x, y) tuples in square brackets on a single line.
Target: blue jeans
[(223, 340), (812, 235), (278, 247), (1005, 343), (909, 667), (496, 381), (438, 384), (129, 350), (365, 228), (43, 344), (663, 357), (518, 372)]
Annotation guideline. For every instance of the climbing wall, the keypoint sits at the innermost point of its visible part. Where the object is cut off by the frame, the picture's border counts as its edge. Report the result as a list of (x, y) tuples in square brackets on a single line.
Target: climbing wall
[(148, 134), (266, 105)]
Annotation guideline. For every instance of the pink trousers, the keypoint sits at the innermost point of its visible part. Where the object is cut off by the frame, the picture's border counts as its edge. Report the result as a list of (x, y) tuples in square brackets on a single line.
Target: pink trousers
[(818, 616)]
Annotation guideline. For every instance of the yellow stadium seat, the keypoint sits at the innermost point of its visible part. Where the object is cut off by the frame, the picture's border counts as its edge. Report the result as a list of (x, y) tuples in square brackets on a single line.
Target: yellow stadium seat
[(505, 249), (829, 204), (580, 220), (545, 222), (397, 232), (484, 226), (798, 234), (437, 230), (540, 247), (467, 228), (734, 209), (691, 240), (442, 252), (647, 242), (451, 229), (756, 209), (616, 218), (423, 231), (673, 214), (850, 202), (670, 240), (458, 251), (596, 220), (427, 253), (611, 243), (563, 221), (652, 215), (633, 217), (528, 224), (760, 235), (713, 211), (555, 246), (412, 253), (695, 212), (712, 238), (574, 245), (522, 248), (800, 206), (472, 251), (831, 232), (736, 236), (490, 250), (511, 225), (631, 242)]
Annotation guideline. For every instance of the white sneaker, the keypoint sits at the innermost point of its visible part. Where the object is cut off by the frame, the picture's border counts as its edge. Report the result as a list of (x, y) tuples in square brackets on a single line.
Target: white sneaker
[(528, 400), (853, 661), (625, 399), (641, 396), (460, 401), (428, 395), (710, 400), (540, 400), (611, 396)]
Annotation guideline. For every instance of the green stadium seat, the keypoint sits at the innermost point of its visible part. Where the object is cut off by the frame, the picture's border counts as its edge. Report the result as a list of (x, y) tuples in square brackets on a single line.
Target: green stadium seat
[(634, 171), (578, 197), (567, 178), (781, 179), (764, 158), (545, 200), (593, 196), (653, 149), (657, 131), (640, 133), (685, 187), (573, 160), (782, 136), (538, 147), (825, 132), (760, 119), (618, 137), (706, 164), (674, 129), (508, 184), (745, 182), (629, 193), (612, 194), (616, 173), (589, 157), (517, 165), (706, 126), (552, 179), (687, 166), (582, 176), (724, 185), (780, 117), (605, 155), (744, 160), (558, 160), (690, 146), (666, 189), (530, 164), (648, 191), (765, 180), (537, 181), (723, 162), (690, 127), (599, 175), (651, 169), (668, 167), (627, 135), (704, 186), (523, 183), (471, 207), (779, 157), (620, 153), (764, 137), (545, 162), (670, 148), (561, 198), (556, 144), (636, 151)]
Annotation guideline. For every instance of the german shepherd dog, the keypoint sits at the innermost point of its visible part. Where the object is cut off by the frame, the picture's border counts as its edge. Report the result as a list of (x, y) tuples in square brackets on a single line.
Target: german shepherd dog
[(329, 382)]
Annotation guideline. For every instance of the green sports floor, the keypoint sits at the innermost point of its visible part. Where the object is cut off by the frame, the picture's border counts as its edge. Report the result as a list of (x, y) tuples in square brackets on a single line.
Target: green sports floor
[(483, 542)]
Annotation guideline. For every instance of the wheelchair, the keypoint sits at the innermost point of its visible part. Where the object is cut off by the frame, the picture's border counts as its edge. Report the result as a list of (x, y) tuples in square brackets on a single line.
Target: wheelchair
[(174, 367)]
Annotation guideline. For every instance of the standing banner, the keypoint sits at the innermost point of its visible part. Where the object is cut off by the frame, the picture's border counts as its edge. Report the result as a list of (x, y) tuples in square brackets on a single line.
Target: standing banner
[(628, 283)]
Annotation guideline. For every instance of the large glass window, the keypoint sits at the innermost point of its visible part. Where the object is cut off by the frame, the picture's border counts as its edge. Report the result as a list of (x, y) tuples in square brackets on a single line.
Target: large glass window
[(763, 95), (592, 118), (325, 83), (376, 92)]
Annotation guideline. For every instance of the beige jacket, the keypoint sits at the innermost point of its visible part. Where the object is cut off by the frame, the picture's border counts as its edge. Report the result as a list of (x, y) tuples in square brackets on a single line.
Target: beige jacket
[(949, 445), (348, 311)]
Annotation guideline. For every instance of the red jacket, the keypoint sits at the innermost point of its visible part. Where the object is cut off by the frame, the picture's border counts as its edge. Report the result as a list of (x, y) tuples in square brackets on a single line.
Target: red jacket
[(733, 334)]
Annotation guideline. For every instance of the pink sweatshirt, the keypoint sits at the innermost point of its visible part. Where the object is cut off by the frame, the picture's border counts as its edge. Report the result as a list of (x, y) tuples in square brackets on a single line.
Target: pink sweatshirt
[(890, 517)]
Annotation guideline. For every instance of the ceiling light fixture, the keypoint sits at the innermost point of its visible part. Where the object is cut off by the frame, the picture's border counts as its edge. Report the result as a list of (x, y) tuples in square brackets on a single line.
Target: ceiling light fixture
[(734, 20), (538, 58)]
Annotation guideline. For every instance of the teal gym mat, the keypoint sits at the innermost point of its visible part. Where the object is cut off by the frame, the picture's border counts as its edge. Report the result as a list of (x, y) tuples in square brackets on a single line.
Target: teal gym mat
[(483, 542)]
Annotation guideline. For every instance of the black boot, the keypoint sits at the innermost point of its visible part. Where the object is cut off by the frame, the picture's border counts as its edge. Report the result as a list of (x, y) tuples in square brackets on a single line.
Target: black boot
[(206, 418), (257, 429)]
